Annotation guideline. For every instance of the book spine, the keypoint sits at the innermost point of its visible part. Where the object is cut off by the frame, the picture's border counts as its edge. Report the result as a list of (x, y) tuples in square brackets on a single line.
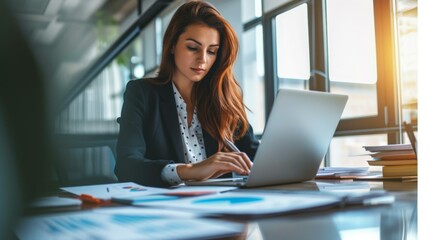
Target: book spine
[(401, 170), (392, 162)]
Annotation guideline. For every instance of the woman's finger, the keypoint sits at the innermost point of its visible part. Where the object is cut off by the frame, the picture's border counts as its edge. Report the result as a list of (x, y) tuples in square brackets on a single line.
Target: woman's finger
[(241, 160)]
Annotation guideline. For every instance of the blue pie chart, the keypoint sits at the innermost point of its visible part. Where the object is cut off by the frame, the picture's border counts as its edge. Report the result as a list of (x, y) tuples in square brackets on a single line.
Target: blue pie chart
[(228, 200)]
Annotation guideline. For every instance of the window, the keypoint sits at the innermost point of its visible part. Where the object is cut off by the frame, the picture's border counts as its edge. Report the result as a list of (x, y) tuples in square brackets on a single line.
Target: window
[(292, 48), (96, 108), (328, 45), (273, 4), (253, 84), (69, 36), (251, 57), (352, 54), (251, 9), (149, 46), (406, 24), (348, 151)]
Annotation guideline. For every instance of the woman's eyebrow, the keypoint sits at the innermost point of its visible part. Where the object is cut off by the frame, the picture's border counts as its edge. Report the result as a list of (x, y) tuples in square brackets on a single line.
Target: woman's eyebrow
[(191, 39)]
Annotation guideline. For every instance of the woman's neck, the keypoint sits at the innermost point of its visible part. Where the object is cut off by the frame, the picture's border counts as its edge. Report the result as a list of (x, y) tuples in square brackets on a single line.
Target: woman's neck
[(185, 90)]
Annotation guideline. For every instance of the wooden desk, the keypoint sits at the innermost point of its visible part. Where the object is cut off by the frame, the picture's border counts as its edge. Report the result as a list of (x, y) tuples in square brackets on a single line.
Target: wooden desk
[(396, 221)]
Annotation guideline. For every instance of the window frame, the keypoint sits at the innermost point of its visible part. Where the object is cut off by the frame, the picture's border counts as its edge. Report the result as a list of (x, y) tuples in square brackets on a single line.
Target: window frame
[(386, 120)]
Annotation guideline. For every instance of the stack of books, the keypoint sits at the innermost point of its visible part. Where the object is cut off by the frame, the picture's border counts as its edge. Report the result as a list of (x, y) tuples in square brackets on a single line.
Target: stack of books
[(397, 160)]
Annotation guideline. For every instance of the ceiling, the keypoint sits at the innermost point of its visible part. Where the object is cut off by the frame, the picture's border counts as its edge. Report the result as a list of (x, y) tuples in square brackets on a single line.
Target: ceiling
[(65, 34), (50, 17)]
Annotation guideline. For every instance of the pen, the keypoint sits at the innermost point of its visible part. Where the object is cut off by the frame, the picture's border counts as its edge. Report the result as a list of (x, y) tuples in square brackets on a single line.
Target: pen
[(89, 199), (232, 146), (235, 149), (107, 188)]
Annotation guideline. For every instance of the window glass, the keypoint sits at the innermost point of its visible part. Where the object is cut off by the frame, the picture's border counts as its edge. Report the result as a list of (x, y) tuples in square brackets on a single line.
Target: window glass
[(292, 48), (352, 54), (348, 151), (406, 18), (96, 109), (250, 9), (69, 36), (253, 82), (158, 39), (272, 4), (362, 99), (149, 46), (166, 18)]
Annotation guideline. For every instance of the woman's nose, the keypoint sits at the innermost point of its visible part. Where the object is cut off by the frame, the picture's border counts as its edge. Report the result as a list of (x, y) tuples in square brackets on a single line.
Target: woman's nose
[(202, 57)]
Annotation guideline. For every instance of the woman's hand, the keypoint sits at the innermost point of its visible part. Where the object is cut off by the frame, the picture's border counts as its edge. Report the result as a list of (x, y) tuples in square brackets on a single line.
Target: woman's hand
[(215, 166)]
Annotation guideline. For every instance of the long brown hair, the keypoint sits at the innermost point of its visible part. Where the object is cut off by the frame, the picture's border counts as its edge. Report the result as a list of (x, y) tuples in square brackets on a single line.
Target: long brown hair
[(217, 97)]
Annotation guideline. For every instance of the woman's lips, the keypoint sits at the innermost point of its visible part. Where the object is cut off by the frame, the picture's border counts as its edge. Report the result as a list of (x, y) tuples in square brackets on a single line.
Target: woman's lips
[(198, 70)]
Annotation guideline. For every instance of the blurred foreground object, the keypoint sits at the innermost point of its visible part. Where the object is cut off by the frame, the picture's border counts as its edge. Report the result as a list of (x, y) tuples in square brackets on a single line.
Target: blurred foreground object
[(24, 136)]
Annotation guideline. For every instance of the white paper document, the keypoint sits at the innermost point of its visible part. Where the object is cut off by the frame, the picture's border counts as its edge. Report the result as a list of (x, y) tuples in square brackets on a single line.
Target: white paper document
[(125, 223), (108, 191), (344, 188), (342, 171), (240, 203), (390, 147)]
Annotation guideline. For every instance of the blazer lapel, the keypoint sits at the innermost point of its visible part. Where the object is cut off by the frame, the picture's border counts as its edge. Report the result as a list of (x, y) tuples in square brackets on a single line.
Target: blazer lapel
[(170, 120)]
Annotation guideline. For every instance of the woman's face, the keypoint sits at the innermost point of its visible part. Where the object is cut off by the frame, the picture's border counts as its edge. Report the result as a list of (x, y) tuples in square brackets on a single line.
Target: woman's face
[(195, 52)]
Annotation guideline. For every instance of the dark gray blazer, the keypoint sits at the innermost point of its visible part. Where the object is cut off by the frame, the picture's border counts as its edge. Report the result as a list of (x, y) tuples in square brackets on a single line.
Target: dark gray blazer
[(149, 136)]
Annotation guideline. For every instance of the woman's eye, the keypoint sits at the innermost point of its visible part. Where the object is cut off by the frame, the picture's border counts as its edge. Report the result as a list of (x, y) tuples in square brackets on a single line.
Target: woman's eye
[(192, 48), (212, 52)]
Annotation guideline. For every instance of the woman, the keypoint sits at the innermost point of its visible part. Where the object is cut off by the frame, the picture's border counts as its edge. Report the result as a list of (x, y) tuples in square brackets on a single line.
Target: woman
[(175, 127)]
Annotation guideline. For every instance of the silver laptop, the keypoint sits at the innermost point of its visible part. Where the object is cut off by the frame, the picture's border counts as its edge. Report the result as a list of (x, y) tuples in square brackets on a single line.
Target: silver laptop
[(295, 140)]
